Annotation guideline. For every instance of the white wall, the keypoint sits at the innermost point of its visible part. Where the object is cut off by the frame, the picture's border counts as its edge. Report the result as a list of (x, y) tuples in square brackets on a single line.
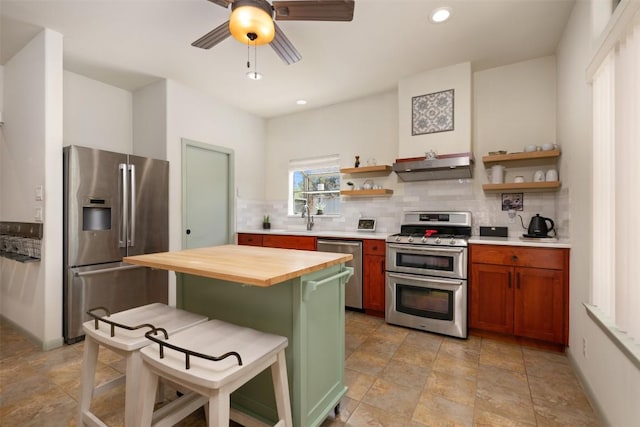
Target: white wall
[(150, 121), (457, 77), (369, 127), (609, 377), (198, 117), (31, 294), (515, 105), (97, 115)]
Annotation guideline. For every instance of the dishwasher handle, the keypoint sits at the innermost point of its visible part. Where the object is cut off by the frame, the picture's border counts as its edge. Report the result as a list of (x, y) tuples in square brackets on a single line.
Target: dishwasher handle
[(338, 243)]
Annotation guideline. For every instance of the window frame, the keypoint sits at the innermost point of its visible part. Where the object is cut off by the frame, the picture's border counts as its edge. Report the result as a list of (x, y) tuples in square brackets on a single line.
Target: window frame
[(327, 167)]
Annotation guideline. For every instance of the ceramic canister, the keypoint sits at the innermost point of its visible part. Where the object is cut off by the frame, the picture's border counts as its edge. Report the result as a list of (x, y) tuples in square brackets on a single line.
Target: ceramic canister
[(496, 174)]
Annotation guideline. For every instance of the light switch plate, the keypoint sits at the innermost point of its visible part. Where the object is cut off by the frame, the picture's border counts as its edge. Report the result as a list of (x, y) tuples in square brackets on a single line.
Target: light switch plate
[(39, 193), (38, 214)]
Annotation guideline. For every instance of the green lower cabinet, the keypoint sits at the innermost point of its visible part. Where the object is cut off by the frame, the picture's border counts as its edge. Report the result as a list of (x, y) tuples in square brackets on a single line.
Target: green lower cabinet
[(309, 311)]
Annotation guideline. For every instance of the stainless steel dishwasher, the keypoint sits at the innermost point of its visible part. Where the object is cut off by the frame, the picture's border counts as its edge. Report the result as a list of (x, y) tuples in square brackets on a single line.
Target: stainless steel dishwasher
[(353, 288)]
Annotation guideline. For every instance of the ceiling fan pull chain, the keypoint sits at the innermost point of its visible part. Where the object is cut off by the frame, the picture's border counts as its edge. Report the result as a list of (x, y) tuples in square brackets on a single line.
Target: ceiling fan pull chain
[(255, 59)]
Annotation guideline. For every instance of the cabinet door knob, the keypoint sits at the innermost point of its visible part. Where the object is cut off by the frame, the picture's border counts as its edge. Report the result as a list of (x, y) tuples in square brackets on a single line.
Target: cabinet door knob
[(514, 258)]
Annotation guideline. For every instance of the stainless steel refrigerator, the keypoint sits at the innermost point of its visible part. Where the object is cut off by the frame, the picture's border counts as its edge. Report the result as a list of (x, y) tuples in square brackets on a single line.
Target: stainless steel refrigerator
[(115, 205)]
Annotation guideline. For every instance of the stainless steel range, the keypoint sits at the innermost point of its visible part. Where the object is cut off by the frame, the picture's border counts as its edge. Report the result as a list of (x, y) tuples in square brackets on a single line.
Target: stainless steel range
[(426, 275)]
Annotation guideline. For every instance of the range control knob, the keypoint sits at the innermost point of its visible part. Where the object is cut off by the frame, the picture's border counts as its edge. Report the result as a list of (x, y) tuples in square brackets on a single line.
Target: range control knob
[(424, 239), (438, 240), (452, 241), (410, 239), (397, 238)]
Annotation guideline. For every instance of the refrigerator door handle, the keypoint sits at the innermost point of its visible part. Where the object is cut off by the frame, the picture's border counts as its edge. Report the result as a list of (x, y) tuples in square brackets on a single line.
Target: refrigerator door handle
[(132, 206), (124, 224), (106, 270)]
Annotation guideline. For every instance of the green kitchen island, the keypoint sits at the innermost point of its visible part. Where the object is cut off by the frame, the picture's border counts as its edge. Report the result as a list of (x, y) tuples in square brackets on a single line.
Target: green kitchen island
[(293, 293)]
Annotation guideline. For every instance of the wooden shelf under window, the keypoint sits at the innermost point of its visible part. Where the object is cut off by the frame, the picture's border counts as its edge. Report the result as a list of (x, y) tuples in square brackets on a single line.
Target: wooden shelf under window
[(378, 192), (321, 192)]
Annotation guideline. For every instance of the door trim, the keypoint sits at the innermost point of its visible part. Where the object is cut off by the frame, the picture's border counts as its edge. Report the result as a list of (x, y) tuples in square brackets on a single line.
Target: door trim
[(231, 180)]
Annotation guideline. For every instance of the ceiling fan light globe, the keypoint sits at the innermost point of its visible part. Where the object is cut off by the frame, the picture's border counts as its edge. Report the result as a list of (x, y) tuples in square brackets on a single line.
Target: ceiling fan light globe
[(249, 19)]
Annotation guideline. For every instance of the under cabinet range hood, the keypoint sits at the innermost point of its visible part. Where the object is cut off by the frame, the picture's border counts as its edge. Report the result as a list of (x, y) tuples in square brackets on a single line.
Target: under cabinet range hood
[(454, 166)]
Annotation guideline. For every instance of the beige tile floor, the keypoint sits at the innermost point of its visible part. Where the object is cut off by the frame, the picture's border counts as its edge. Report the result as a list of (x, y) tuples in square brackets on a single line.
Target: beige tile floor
[(396, 377)]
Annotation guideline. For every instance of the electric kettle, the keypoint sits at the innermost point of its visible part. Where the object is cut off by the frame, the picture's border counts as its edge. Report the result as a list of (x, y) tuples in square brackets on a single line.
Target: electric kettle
[(538, 226)]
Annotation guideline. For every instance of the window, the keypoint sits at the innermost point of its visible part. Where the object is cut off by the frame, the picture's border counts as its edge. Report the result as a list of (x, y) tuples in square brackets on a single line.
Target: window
[(315, 182), (616, 200)]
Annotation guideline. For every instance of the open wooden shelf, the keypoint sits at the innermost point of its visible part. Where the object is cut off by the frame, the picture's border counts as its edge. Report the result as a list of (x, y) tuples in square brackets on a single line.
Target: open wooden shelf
[(533, 155), (522, 186), (378, 192), (380, 169)]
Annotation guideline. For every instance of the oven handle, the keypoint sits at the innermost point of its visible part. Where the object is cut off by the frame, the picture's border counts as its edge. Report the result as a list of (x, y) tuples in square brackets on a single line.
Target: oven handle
[(427, 279), (424, 249)]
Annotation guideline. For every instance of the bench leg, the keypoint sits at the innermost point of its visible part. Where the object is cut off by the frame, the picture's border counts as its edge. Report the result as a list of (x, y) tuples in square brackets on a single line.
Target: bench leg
[(147, 388), (87, 378), (219, 408), (134, 365), (281, 389)]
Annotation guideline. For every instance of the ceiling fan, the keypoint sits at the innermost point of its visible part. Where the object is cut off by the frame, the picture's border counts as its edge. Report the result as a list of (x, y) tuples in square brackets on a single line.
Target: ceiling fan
[(252, 21)]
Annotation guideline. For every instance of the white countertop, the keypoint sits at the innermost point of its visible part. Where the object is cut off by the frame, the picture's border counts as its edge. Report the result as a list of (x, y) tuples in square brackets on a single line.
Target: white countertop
[(320, 233), (478, 240), (550, 242)]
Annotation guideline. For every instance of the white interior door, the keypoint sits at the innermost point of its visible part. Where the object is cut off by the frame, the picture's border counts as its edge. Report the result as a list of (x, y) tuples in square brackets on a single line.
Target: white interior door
[(207, 192)]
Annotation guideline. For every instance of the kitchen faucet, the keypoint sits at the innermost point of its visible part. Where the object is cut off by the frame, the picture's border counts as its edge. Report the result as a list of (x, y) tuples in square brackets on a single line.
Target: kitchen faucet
[(309, 216)]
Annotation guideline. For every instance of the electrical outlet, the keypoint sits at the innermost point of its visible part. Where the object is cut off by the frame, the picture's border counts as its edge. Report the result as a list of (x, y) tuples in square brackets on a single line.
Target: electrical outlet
[(584, 347)]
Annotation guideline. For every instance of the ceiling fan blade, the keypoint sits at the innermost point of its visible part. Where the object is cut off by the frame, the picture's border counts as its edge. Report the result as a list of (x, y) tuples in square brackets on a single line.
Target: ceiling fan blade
[(213, 37), (314, 10), (223, 3), (284, 48)]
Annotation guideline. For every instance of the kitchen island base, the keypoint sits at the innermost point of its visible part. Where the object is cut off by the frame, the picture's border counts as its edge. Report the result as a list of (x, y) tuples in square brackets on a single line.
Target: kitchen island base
[(309, 311)]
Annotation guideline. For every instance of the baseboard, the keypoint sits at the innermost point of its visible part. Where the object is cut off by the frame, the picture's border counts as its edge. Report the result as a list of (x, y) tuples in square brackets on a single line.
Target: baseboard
[(528, 342), (591, 397), (45, 346)]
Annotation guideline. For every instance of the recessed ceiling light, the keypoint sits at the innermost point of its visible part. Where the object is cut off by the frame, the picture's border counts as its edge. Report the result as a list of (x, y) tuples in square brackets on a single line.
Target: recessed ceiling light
[(254, 75), (301, 101), (440, 14)]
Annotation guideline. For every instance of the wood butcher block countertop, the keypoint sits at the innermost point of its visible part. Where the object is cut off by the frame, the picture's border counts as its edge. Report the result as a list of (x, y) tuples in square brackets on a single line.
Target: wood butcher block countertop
[(243, 264)]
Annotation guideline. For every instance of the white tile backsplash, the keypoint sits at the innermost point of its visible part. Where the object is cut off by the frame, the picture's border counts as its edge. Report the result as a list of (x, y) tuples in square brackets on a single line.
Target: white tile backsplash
[(428, 195)]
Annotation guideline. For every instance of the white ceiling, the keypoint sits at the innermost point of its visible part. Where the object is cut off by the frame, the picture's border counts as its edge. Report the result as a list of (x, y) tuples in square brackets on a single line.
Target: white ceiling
[(130, 43)]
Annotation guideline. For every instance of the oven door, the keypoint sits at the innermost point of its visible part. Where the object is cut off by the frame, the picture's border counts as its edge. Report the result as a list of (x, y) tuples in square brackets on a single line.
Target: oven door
[(427, 303), (438, 261)]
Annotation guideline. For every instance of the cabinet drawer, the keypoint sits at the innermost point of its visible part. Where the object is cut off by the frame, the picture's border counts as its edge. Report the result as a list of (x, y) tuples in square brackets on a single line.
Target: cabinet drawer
[(250, 239), (290, 242), (373, 247), (519, 256)]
